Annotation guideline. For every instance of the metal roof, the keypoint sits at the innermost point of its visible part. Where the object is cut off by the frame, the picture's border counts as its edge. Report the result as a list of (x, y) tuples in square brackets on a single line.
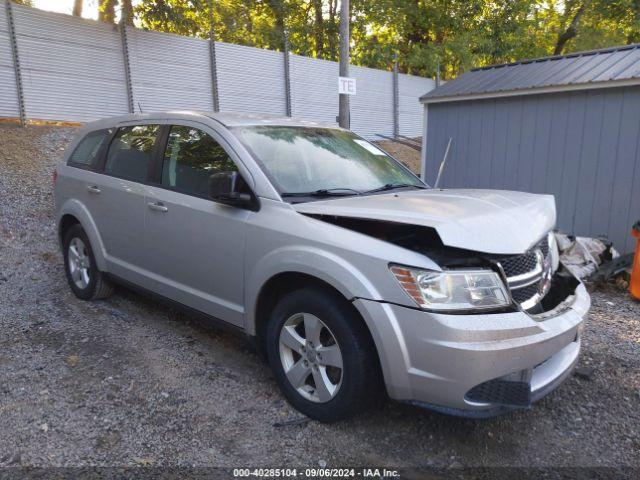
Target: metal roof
[(592, 69)]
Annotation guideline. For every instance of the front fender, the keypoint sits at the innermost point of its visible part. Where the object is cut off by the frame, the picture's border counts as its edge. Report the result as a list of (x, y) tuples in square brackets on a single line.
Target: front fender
[(81, 213), (326, 266)]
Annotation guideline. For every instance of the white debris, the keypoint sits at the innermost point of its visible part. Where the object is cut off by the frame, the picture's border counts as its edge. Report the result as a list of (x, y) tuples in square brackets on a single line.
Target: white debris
[(582, 255)]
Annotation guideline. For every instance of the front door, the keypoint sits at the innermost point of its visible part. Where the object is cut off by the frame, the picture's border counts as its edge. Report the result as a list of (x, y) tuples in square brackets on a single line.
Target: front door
[(195, 246)]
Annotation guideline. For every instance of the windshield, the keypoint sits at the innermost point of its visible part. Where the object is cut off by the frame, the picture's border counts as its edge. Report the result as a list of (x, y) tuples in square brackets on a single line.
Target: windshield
[(323, 161)]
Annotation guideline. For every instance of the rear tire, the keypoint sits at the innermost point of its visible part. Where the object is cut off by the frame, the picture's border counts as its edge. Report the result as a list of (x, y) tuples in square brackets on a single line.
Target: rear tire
[(85, 280), (310, 333)]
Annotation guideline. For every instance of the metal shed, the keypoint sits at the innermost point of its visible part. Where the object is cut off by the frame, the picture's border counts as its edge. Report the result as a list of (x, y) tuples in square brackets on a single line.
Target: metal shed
[(567, 125)]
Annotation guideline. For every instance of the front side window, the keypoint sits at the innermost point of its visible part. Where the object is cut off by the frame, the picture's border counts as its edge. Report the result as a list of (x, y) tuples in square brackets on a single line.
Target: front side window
[(88, 150), (309, 160), (191, 157), (131, 152)]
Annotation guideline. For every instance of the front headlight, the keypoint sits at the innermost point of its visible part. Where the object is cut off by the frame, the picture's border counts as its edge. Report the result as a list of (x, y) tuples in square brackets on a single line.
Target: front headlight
[(453, 289)]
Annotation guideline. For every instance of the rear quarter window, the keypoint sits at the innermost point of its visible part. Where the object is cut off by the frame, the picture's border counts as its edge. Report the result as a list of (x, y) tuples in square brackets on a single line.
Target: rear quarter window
[(88, 151)]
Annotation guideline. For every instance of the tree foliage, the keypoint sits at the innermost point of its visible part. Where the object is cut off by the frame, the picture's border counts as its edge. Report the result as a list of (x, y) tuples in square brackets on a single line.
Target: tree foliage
[(426, 35)]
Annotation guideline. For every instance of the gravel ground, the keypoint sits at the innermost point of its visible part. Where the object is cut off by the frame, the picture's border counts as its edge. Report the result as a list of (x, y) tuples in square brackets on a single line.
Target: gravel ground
[(129, 382), (407, 155)]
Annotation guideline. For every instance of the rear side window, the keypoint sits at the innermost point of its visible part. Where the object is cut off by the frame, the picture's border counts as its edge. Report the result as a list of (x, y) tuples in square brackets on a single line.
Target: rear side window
[(131, 152), (88, 150), (191, 157)]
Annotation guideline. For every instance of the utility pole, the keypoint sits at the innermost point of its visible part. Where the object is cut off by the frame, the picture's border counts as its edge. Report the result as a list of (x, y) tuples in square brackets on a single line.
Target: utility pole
[(344, 119), (287, 72), (396, 98), (212, 58)]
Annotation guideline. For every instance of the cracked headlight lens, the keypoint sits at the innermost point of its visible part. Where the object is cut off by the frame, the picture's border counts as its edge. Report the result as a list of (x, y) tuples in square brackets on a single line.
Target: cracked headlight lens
[(453, 289)]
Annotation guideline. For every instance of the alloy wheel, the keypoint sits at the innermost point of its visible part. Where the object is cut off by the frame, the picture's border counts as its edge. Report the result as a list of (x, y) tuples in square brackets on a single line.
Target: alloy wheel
[(79, 263), (311, 357)]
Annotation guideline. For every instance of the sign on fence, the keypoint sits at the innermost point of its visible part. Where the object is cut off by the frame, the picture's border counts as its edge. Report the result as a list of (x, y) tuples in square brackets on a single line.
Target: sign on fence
[(346, 86)]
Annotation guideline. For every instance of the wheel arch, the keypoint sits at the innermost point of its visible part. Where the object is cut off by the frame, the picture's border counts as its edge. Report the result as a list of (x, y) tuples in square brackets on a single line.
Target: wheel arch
[(73, 212), (273, 290), (65, 223), (313, 264), (285, 282)]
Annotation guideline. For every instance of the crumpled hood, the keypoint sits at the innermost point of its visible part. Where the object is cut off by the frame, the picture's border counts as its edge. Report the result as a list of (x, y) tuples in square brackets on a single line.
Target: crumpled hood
[(490, 221)]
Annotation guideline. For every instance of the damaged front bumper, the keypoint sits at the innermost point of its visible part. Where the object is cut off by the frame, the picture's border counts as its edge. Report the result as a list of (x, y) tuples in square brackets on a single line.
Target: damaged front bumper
[(475, 365)]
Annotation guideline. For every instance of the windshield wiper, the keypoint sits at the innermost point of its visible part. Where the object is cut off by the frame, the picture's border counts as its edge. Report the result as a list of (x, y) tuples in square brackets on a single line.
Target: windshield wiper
[(392, 186), (324, 192)]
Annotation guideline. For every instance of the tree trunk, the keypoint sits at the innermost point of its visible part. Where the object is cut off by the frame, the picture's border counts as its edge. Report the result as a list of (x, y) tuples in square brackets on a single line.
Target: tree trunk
[(318, 28), (333, 6), (277, 7), (416, 34), (107, 11), (77, 8), (343, 115), (570, 32), (127, 11)]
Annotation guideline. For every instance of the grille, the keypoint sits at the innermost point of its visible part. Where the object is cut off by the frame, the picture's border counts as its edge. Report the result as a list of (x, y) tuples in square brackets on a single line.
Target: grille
[(502, 392), (523, 294), (519, 264)]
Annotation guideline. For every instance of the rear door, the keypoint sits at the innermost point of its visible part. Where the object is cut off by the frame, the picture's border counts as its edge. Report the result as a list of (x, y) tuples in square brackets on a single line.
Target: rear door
[(80, 177), (119, 192), (195, 246)]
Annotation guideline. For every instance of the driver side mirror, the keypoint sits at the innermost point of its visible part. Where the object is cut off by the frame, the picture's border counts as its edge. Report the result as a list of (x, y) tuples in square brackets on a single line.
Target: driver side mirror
[(223, 188)]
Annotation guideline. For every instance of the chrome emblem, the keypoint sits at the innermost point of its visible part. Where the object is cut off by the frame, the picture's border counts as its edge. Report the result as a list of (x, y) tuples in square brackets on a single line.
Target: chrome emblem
[(545, 280)]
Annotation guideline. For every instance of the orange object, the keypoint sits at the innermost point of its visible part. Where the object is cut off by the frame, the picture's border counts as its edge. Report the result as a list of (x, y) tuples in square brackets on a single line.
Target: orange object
[(634, 286)]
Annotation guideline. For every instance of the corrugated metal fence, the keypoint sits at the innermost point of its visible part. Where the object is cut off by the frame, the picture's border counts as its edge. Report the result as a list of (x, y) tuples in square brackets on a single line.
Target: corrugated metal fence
[(73, 69)]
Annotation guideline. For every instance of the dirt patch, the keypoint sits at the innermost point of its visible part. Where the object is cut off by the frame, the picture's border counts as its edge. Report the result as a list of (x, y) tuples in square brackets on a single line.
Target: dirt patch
[(407, 155)]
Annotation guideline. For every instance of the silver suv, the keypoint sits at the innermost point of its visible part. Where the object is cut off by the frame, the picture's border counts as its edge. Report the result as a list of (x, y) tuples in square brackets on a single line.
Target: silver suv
[(353, 277)]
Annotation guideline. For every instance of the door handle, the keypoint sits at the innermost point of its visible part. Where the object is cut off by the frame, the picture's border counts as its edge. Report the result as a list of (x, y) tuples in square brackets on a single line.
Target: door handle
[(157, 206), (93, 189)]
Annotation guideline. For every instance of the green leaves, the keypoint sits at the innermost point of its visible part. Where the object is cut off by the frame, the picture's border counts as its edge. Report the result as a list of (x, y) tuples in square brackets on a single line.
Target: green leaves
[(427, 35)]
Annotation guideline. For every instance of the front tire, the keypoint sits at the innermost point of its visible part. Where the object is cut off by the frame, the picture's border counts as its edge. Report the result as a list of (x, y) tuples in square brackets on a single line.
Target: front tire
[(322, 355), (85, 280)]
